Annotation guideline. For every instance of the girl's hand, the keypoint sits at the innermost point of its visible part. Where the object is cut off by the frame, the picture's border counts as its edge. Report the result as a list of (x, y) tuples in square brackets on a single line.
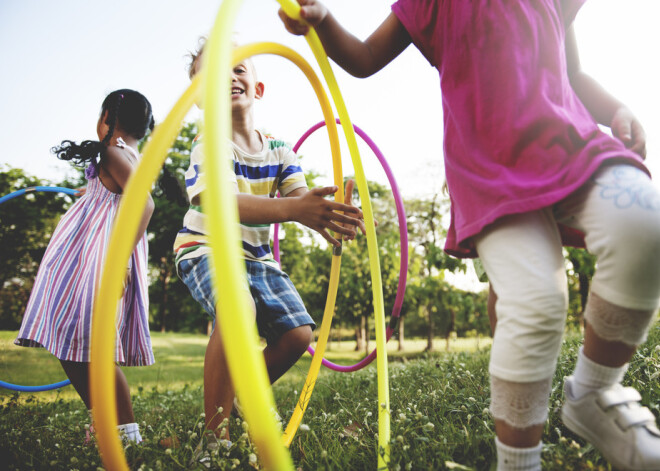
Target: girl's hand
[(80, 191), (629, 130), (311, 11), (320, 214)]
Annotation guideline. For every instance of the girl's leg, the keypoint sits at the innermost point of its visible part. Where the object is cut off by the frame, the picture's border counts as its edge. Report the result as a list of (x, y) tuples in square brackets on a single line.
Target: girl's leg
[(619, 211), (523, 258), (78, 374), (492, 313)]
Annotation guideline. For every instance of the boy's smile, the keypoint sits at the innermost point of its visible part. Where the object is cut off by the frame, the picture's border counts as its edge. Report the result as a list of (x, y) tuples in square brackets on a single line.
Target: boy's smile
[(244, 86)]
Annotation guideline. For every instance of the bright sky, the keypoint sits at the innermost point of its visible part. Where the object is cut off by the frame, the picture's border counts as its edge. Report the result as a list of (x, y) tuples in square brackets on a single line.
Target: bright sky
[(61, 58)]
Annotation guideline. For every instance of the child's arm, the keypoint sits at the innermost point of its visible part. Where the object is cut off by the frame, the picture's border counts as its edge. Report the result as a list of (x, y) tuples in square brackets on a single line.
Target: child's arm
[(309, 208), (119, 167), (358, 58), (605, 109)]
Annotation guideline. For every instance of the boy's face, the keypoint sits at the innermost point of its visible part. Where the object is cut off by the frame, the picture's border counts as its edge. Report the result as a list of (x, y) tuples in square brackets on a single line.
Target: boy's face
[(244, 86)]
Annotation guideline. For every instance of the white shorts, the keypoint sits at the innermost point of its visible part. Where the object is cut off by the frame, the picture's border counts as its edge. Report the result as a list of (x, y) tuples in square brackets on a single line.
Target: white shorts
[(619, 212)]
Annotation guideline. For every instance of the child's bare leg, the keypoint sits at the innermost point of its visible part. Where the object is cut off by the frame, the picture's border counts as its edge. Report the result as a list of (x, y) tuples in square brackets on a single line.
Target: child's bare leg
[(605, 352), (218, 388), (124, 404), (78, 374), (287, 351)]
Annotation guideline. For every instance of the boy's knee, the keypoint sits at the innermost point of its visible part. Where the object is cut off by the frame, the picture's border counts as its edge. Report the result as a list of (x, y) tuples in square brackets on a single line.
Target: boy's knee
[(298, 339)]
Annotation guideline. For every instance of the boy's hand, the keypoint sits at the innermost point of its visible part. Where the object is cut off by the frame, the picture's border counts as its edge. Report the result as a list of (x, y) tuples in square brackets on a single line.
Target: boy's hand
[(629, 130), (311, 11), (320, 214)]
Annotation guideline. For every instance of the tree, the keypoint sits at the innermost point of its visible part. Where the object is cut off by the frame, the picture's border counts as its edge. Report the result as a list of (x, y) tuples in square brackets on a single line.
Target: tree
[(426, 233), (26, 224), (579, 273), (355, 297), (170, 304)]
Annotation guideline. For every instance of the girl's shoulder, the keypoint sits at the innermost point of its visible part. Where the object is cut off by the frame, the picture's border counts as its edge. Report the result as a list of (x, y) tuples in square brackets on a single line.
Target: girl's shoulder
[(121, 151)]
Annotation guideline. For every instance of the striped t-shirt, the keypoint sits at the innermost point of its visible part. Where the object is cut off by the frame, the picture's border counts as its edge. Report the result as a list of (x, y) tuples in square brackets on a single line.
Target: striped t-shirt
[(273, 169)]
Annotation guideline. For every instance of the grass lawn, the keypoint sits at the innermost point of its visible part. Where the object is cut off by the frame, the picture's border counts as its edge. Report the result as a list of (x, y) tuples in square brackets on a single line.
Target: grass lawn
[(180, 362), (439, 411)]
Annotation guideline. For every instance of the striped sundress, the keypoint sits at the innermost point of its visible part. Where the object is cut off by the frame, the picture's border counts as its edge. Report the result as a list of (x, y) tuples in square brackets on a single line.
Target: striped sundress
[(58, 315)]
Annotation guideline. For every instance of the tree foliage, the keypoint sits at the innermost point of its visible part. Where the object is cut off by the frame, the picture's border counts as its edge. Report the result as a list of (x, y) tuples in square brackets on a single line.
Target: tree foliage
[(432, 306), (26, 223)]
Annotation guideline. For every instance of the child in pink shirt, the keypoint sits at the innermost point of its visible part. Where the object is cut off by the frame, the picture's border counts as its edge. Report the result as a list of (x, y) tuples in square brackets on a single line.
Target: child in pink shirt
[(528, 169)]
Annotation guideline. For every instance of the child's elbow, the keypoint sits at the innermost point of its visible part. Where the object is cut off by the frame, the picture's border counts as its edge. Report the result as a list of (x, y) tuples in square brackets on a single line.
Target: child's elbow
[(362, 70)]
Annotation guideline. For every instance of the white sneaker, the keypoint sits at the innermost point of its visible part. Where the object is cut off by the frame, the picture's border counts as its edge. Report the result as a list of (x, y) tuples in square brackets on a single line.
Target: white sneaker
[(613, 421)]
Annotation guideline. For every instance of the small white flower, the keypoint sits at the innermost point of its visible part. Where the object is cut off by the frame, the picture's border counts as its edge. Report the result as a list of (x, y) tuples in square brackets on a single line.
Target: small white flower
[(252, 458), (304, 428)]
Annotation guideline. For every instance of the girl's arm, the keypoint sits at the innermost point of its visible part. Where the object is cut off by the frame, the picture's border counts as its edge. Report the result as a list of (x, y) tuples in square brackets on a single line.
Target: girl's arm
[(358, 58), (605, 109), (120, 167), (309, 208)]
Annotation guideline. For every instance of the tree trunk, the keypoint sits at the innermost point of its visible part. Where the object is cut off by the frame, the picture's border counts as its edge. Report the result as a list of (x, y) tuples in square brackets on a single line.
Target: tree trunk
[(165, 279), (360, 334), (430, 332), (400, 334), (452, 327)]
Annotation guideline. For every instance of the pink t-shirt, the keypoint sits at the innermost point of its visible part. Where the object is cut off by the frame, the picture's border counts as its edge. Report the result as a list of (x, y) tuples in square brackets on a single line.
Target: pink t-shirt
[(517, 138)]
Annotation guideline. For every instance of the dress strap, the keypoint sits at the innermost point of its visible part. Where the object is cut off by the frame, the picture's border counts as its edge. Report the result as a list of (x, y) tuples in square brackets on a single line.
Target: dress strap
[(123, 145)]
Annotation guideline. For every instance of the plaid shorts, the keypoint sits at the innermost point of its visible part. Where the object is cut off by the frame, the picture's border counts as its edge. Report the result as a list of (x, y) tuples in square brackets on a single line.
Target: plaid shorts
[(279, 307)]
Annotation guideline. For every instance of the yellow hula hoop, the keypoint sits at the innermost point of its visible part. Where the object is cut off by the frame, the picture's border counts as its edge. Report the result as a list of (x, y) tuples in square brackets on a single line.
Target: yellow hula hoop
[(283, 51), (249, 387), (102, 377), (292, 9)]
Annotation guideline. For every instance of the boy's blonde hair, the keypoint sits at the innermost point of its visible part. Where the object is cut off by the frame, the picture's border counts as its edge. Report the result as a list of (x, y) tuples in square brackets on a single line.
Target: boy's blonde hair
[(195, 56)]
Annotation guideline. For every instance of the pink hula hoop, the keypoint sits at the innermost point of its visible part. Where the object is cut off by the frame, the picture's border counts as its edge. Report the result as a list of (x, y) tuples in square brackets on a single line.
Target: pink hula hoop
[(403, 236)]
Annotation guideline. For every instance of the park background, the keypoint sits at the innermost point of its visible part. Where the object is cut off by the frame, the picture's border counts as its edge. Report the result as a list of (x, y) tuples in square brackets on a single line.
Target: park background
[(62, 58)]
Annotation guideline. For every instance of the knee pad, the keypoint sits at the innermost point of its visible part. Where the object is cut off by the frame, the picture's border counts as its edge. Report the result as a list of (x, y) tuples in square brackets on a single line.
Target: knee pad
[(520, 405), (618, 324)]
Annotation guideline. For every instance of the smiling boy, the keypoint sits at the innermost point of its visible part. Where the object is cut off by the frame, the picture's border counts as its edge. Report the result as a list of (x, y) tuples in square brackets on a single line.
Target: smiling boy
[(262, 167)]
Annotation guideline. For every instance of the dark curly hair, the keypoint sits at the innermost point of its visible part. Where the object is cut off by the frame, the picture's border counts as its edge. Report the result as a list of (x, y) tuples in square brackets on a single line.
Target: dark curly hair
[(128, 110)]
